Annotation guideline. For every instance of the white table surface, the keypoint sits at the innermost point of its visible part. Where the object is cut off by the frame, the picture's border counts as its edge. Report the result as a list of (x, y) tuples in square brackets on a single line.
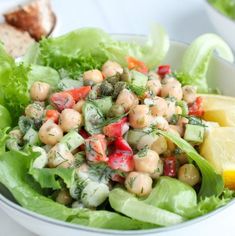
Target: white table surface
[(183, 19)]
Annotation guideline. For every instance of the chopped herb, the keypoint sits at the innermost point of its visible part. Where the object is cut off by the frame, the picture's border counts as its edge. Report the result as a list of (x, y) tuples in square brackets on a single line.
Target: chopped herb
[(131, 181)]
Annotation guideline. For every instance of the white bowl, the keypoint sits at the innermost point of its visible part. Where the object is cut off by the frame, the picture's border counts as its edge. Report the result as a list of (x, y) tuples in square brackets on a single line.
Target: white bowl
[(223, 24), (220, 76)]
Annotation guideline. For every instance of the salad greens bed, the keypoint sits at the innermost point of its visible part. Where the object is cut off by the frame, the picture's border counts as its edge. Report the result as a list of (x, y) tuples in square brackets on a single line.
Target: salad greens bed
[(227, 7), (60, 62)]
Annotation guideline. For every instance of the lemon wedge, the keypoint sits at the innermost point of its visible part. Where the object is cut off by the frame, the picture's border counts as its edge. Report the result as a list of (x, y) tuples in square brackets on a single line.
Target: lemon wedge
[(219, 149), (219, 109)]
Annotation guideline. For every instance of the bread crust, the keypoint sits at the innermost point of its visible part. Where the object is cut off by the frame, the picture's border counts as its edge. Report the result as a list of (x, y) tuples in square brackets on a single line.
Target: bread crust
[(29, 18)]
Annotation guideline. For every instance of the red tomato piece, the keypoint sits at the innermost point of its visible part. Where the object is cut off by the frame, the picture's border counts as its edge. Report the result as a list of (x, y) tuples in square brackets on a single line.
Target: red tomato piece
[(52, 115), (170, 166), (62, 100), (116, 129), (79, 93), (121, 161), (95, 147), (122, 145), (138, 65), (163, 70), (196, 108)]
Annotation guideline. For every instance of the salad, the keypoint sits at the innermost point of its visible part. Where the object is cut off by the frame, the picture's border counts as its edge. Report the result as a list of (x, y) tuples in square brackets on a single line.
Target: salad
[(101, 133), (226, 7)]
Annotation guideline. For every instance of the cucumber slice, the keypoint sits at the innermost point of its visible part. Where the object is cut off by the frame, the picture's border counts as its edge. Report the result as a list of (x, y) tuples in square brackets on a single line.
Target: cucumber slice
[(72, 140), (127, 204), (66, 84), (104, 104), (134, 136), (31, 137), (93, 118)]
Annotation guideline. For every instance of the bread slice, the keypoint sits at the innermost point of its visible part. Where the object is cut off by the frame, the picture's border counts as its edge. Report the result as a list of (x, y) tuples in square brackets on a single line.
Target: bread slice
[(16, 42), (35, 16)]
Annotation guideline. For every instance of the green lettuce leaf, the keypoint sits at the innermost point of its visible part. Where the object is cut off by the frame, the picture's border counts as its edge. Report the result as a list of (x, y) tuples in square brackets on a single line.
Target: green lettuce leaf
[(197, 57), (151, 53), (127, 204), (212, 183), (48, 177), (172, 195), (89, 48), (227, 7)]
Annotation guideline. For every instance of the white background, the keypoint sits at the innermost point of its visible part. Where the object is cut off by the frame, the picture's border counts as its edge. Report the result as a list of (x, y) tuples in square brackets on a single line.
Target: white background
[(183, 19)]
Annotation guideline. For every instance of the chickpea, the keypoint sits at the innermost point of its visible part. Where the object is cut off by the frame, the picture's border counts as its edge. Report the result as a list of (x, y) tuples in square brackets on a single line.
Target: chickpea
[(50, 133), (152, 75), (39, 91), (146, 161), (171, 110), (189, 94), (154, 86), (138, 183), (159, 171), (171, 88), (116, 110), (189, 174), (60, 156), (70, 119), (158, 106), (92, 77), (178, 129), (78, 106), (34, 111), (63, 197), (161, 123), (139, 117), (111, 68), (127, 99)]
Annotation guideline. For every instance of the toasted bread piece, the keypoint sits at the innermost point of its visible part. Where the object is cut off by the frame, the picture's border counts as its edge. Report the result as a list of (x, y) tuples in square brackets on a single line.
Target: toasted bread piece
[(36, 17), (16, 42)]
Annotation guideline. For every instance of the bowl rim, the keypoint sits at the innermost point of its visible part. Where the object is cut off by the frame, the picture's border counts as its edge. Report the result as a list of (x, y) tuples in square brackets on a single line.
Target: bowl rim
[(219, 12), (49, 220)]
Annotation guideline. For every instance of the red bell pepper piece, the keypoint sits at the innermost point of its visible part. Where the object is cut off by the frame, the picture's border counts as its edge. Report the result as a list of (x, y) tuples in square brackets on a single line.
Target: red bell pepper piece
[(117, 178), (170, 166), (116, 129), (163, 70), (133, 63), (62, 100), (121, 145), (84, 134), (196, 108), (95, 148), (52, 115), (121, 161), (79, 93)]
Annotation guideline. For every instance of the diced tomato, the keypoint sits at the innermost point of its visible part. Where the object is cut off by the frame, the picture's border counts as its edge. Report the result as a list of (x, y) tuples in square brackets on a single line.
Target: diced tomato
[(79, 93), (133, 63), (196, 108), (163, 70), (52, 115), (116, 129), (122, 145), (170, 166), (62, 100), (96, 148), (84, 134), (121, 161)]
